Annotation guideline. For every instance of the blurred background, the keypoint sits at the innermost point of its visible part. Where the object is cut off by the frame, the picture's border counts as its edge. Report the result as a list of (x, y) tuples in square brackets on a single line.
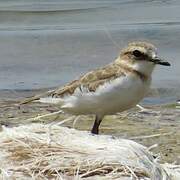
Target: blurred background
[(46, 43)]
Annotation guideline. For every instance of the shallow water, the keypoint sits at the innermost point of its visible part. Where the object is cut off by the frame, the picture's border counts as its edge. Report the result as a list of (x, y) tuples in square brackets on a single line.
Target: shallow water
[(48, 43)]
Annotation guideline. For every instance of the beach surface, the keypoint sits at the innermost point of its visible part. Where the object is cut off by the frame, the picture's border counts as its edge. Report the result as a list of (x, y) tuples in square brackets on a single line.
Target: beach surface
[(157, 127)]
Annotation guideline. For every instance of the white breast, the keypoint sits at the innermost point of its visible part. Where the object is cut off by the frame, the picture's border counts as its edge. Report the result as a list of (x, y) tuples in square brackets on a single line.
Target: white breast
[(115, 96)]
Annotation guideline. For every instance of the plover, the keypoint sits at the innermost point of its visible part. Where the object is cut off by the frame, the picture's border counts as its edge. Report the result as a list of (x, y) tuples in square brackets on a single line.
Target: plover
[(113, 88)]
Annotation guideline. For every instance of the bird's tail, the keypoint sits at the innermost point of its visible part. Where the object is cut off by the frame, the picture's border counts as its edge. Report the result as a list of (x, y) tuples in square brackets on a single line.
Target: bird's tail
[(50, 100)]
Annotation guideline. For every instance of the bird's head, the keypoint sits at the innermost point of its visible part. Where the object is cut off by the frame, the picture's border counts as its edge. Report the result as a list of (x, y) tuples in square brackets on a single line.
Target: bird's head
[(141, 56)]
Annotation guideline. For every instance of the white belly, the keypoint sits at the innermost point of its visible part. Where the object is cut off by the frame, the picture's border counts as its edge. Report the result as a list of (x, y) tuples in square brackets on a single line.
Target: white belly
[(116, 96)]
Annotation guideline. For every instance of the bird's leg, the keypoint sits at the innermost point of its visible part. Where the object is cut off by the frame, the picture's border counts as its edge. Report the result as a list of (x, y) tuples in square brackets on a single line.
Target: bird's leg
[(97, 122)]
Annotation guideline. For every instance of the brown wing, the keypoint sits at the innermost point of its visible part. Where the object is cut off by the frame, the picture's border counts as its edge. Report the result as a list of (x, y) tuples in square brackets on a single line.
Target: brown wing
[(92, 80)]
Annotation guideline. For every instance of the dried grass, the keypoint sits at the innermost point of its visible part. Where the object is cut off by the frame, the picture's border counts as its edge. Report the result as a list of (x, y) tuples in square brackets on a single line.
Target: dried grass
[(37, 152)]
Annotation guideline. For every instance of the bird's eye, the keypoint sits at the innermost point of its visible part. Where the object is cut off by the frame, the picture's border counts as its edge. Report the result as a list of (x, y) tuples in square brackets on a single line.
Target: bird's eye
[(137, 53)]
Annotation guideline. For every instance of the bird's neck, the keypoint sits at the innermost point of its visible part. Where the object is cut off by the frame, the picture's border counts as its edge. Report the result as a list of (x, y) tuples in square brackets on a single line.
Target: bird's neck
[(142, 69)]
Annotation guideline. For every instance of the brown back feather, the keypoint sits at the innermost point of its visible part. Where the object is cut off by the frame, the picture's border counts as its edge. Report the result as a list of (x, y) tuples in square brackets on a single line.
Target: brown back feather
[(92, 80)]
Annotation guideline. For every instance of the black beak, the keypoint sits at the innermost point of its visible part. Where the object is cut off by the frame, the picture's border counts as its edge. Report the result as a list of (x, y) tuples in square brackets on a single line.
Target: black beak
[(157, 60)]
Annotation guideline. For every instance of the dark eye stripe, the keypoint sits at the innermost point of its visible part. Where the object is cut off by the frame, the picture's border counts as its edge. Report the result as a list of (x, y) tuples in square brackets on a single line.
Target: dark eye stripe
[(137, 53)]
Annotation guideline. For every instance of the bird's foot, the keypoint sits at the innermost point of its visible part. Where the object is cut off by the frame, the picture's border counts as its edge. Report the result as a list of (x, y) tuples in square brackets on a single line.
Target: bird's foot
[(94, 133)]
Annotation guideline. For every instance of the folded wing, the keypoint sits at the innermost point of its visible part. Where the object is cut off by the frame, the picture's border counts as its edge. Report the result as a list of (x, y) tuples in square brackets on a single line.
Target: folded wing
[(90, 81)]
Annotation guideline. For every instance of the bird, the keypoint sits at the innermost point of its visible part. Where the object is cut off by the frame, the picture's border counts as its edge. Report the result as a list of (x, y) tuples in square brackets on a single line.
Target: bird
[(113, 88)]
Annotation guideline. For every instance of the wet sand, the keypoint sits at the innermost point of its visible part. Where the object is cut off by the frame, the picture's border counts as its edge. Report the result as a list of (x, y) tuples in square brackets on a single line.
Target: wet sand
[(161, 126)]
